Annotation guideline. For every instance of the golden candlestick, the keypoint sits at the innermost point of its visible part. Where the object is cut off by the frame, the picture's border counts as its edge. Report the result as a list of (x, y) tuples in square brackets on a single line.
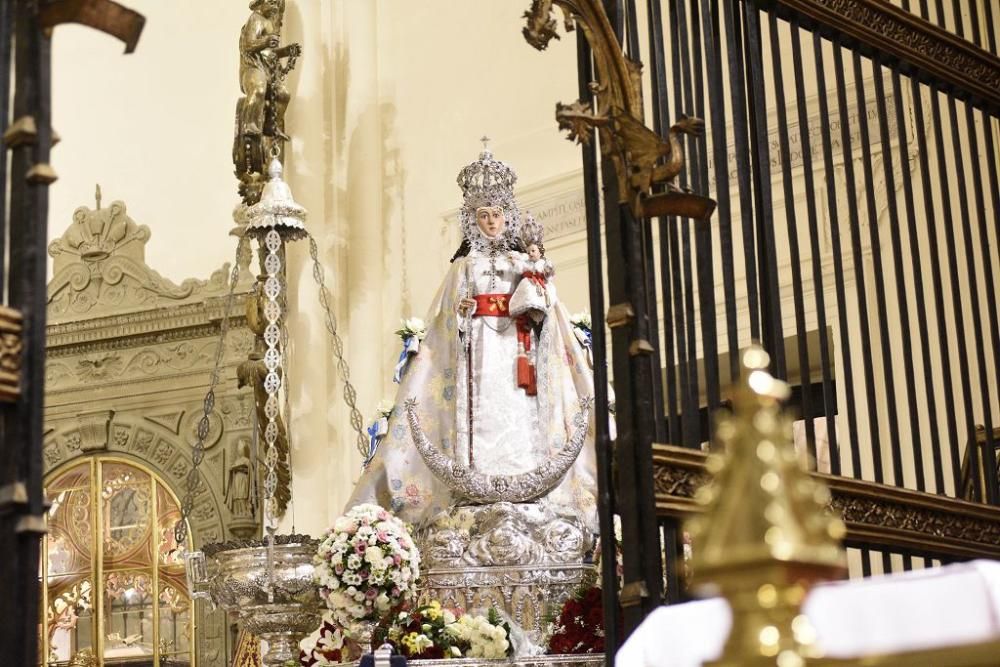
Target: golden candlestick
[(766, 535)]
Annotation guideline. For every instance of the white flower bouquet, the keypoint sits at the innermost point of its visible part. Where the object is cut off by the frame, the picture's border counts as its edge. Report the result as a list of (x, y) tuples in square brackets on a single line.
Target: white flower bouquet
[(485, 636), (366, 565), (327, 645), (412, 327)]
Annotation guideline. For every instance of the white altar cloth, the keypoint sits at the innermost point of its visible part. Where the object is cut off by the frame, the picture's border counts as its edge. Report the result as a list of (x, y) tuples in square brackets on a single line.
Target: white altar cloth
[(910, 611)]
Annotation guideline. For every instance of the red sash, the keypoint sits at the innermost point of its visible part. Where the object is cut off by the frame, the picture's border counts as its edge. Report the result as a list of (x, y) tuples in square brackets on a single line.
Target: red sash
[(492, 305), (498, 305)]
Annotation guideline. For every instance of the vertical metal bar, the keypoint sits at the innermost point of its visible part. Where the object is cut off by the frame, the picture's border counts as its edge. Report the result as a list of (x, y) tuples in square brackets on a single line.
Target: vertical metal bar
[(857, 258), (648, 255), (785, 154), (6, 33), (661, 106), (23, 433), (965, 222), (916, 267), (942, 20), (692, 406), (942, 332), (763, 199), (602, 439), (988, 453), (633, 449), (743, 168), (991, 165), (838, 256), (703, 230), (681, 247), (991, 34), (673, 549), (886, 562), (956, 294), (880, 300), (805, 141), (631, 31), (977, 32), (720, 151), (866, 562)]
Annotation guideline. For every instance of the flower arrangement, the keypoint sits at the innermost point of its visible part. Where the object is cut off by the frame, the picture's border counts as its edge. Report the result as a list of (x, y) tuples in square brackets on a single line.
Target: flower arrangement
[(581, 320), (579, 628), (366, 565), (327, 645), (411, 331), (583, 330), (487, 636), (412, 327), (432, 631)]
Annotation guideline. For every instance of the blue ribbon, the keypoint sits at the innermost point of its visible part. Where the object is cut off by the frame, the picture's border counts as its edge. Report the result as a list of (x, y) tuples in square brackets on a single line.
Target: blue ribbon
[(587, 334), (409, 343), (373, 440)]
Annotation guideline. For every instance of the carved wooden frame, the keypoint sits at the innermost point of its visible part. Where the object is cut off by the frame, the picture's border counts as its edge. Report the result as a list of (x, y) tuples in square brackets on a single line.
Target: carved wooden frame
[(875, 514), (932, 53)]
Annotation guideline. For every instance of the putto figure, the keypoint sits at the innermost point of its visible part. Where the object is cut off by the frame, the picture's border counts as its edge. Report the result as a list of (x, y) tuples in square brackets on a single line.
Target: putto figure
[(469, 427), (260, 113)]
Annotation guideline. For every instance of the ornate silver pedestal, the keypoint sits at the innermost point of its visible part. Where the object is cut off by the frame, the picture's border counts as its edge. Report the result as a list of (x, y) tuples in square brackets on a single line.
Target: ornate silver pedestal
[(521, 558), (281, 608)]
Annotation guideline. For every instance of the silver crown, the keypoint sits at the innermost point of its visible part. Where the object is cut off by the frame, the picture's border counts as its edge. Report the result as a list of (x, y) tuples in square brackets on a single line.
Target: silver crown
[(487, 181), (532, 231)]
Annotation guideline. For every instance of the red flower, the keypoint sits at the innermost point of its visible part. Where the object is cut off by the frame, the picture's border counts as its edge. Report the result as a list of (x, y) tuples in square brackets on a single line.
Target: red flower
[(580, 626)]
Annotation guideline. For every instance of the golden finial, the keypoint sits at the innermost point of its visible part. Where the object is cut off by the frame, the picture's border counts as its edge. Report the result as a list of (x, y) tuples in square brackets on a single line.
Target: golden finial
[(97, 195), (766, 535)]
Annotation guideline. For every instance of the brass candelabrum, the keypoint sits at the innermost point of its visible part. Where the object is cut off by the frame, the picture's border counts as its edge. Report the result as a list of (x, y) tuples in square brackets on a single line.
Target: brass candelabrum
[(765, 536)]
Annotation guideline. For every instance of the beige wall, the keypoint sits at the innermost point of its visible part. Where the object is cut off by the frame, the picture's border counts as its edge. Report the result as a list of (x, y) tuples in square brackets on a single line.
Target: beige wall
[(154, 128)]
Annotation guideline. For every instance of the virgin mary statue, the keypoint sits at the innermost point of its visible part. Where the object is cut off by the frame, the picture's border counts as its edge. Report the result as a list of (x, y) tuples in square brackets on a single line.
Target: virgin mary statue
[(495, 405)]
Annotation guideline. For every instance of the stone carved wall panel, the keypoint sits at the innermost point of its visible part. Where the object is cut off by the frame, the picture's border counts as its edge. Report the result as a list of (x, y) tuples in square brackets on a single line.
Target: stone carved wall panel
[(128, 361)]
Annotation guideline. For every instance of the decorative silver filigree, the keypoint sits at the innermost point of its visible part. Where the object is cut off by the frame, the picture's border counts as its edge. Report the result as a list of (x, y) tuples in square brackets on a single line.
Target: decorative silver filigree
[(503, 534), (488, 182), (484, 488), (278, 603), (529, 594)]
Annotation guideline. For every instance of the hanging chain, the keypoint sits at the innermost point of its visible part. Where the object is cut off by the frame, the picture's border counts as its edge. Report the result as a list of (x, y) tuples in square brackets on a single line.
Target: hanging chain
[(272, 381), (208, 405), (350, 395)]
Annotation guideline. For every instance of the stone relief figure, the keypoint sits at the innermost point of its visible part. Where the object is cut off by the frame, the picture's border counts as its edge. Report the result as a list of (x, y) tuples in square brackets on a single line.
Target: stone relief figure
[(241, 484), (260, 113)]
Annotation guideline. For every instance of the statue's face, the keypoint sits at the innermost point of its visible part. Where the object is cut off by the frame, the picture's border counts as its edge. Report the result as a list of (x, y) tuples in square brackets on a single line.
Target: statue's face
[(271, 8), (534, 252), (491, 221)]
